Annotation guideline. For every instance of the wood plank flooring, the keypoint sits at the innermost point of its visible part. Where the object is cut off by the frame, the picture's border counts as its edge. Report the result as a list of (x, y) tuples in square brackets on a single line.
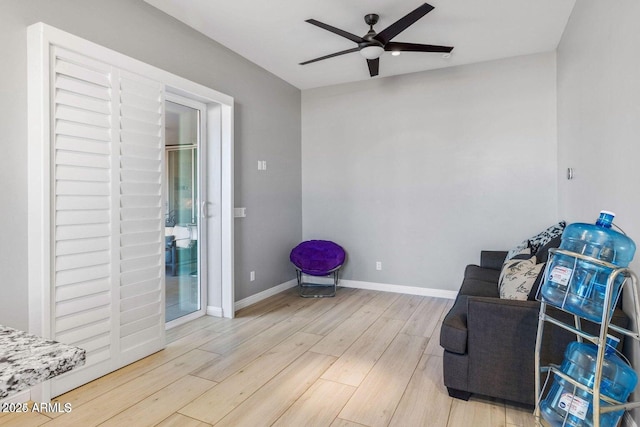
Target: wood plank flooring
[(363, 358)]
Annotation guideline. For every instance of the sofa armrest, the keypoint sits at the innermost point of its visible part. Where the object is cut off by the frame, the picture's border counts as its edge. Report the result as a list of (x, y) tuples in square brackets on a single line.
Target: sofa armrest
[(492, 259), (501, 347), (499, 321)]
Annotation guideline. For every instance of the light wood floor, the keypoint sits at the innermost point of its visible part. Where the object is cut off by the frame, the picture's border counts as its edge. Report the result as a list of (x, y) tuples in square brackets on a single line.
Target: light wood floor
[(362, 358)]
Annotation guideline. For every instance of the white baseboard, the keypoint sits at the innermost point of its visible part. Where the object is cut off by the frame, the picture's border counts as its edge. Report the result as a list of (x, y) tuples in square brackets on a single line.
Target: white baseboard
[(383, 287), (20, 397), (264, 294), (214, 311), (628, 420), (402, 289)]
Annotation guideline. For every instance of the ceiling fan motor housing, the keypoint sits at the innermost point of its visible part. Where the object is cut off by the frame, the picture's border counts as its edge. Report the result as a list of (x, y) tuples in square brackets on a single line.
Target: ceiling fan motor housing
[(371, 19)]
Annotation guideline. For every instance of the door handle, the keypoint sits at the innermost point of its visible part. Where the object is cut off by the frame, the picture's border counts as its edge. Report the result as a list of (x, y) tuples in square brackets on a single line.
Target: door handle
[(205, 210)]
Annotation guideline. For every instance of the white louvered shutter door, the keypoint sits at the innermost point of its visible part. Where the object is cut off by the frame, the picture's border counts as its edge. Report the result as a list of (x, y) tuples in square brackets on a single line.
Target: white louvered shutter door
[(82, 122), (142, 223), (106, 215)]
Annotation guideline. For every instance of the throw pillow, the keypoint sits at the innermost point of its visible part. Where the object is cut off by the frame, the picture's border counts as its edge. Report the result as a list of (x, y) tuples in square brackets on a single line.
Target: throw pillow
[(543, 252), (517, 278), (518, 249), (542, 238), (523, 254), (539, 240), (533, 293)]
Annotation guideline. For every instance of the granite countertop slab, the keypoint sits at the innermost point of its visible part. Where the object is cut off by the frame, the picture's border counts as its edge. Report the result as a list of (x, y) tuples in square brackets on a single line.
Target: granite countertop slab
[(26, 360)]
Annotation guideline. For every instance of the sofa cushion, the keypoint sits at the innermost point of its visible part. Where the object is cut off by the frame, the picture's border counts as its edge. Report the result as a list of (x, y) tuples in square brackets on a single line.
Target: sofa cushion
[(517, 278), (479, 288), (453, 334), (479, 273), (492, 259)]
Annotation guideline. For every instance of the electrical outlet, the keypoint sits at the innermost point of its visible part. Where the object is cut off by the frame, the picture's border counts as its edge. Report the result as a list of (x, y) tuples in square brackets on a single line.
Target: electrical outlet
[(252, 276), (378, 265)]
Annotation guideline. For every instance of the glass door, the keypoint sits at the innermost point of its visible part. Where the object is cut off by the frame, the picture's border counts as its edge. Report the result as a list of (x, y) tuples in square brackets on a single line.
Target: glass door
[(183, 287)]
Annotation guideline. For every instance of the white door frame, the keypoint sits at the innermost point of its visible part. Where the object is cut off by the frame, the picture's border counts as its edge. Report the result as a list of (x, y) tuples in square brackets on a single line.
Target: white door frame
[(219, 202), (202, 197)]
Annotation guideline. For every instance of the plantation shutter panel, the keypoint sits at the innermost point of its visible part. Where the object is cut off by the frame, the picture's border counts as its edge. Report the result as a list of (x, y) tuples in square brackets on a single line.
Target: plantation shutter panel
[(83, 311), (106, 215), (142, 225)]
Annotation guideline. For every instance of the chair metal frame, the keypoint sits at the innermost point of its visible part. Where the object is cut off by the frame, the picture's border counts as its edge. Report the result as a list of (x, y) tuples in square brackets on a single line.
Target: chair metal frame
[(308, 285)]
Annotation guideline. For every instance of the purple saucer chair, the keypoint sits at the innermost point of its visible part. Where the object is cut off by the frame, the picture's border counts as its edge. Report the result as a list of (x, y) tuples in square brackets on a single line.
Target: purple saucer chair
[(317, 258)]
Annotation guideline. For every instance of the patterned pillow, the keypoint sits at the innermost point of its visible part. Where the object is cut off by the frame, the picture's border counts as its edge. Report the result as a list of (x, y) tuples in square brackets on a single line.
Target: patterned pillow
[(543, 252), (518, 249), (517, 278), (542, 238)]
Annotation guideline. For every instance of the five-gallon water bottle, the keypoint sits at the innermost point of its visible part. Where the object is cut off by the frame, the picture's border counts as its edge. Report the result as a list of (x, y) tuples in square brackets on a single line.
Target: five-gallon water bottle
[(577, 285), (568, 405)]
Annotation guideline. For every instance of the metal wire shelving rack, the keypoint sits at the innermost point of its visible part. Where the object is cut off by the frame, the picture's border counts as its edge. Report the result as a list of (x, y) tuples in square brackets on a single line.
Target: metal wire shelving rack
[(630, 279)]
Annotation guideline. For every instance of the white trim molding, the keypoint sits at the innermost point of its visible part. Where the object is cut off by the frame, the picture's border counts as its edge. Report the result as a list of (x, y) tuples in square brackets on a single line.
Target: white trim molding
[(265, 294), (383, 287), (401, 289), (214, 311)]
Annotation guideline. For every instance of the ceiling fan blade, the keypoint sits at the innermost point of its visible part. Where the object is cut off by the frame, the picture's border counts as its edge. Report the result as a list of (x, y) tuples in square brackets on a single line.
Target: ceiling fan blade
[(403, 23), (337, 31), (414, 47), (355, 49), (374, 65)]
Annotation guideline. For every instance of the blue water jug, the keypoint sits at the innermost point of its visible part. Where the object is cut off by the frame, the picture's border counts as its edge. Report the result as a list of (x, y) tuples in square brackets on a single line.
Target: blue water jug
[(579, 286), (566, 405)]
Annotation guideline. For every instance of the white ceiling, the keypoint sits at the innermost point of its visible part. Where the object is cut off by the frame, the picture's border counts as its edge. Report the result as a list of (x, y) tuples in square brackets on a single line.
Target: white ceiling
[(273, 34)]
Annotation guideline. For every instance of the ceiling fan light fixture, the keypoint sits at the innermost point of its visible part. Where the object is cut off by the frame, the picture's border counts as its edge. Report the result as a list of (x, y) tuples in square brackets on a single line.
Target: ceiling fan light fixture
[(372, 52)]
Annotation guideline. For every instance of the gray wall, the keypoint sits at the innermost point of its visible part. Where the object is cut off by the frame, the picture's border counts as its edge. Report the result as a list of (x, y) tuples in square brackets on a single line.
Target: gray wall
[(267, 127), (423, 171), (599, 119)]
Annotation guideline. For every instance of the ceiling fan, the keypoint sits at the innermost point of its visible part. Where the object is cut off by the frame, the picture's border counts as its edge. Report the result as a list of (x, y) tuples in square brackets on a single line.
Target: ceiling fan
[(372, 45)]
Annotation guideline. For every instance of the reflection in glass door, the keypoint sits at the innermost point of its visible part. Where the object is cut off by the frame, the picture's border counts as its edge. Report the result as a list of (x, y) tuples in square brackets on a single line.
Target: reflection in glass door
[(182, 228)]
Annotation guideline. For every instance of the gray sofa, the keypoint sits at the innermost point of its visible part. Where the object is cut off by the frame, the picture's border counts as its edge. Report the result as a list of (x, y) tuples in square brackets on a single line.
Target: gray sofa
[(489, 342)]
